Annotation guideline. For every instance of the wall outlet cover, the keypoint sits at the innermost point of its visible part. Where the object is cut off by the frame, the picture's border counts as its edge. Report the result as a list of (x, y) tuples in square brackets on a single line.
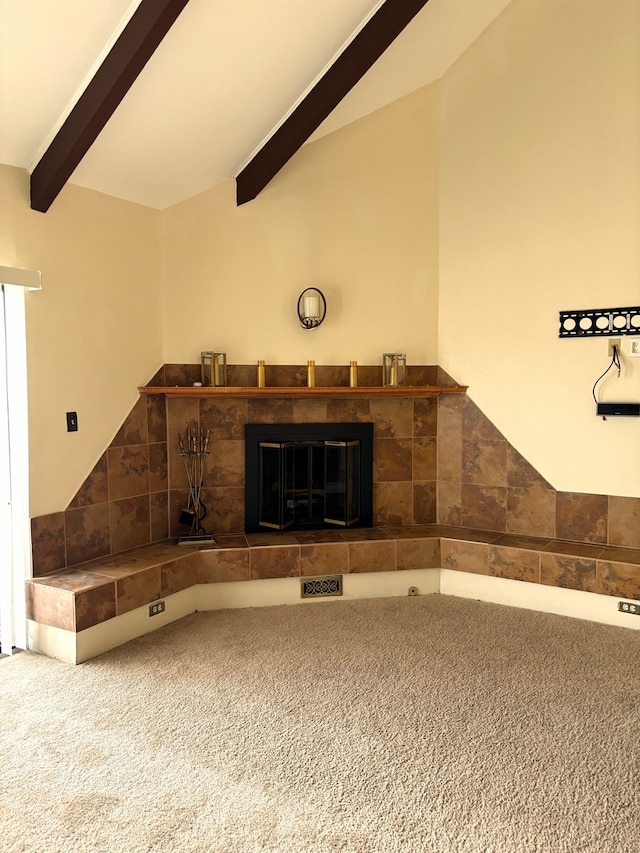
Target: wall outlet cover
[(634, 347)]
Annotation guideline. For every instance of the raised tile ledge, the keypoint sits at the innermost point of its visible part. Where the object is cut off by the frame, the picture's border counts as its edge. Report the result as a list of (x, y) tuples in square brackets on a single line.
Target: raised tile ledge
[(88, 594)]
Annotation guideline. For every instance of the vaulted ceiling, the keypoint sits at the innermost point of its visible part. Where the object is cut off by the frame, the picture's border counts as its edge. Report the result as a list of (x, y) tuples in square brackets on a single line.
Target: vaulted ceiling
[(212, 89)]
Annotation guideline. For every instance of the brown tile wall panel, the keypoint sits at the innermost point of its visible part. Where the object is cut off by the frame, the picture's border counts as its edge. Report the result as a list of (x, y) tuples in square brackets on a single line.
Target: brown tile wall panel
[(88, 533), (425, 416), (465, 556), (521, 474), (619, 579), (624, 522), (581, 517), (225, 419), (568, 572), (392, 460), (130, 523), (95, 489), (157, 419), (179, 574), (425, 458), (222, 565), (134, 430), (318, 537), (158, 379), (48, 543), (515, 540), (425, 496), (450, 415), (392, 503), (531, 511), (138, 589), (575, 549), (286, 375), (273, 538), (449, 507), (271, 411), (372, 556), (182, 374), (275, 562), (422, 374), (484, 462), (393, 418), (225, 465), (514, 563), (93, 606), (345, 410), (476, 426), (159, 516), (158, 467), (242, 375), (50, 606), (437, 460), (128, 471), (449, 459), (178, 500), (364, 534), (324, 559), (312, 411), (418, 554), (331, 376), (226, 509), (484, 507)]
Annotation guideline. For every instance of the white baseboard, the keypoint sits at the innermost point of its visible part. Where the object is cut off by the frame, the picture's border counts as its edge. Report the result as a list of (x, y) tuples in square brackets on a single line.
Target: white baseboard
[(52, 642), (532, 596), (77, 648), (70, 647), (265, 593)]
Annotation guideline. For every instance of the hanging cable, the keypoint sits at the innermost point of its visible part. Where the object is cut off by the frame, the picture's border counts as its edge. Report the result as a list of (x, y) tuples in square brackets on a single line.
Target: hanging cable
[(615, 362)]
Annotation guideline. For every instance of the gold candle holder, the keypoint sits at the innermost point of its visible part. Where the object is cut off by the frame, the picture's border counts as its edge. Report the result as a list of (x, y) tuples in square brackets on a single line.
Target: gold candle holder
[(261, 374), (353, 374), (393, 368), (311, 374), (213, 368)]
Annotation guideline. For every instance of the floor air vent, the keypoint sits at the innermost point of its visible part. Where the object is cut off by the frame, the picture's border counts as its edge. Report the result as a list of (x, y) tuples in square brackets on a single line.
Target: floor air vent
[(321, 587)]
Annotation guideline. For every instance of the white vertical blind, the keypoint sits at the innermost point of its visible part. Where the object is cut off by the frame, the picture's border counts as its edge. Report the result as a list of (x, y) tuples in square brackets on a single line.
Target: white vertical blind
[(15, 533), (6, 537)]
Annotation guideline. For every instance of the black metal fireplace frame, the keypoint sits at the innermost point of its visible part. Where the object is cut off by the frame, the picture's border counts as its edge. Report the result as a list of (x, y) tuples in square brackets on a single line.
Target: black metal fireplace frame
[(257, 432)]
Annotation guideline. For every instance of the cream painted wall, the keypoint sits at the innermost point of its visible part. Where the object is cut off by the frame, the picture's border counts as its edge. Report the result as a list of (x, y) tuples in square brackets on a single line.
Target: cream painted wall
[(93, 332), (540, 212), (354, 214)]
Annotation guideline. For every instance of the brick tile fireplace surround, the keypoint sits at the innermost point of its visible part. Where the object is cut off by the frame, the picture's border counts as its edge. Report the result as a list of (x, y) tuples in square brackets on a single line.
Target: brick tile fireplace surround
[(437, 460)]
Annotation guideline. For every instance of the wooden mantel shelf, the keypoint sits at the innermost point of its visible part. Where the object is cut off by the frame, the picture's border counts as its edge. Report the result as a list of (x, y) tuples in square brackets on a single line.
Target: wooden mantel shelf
[(303, 391)]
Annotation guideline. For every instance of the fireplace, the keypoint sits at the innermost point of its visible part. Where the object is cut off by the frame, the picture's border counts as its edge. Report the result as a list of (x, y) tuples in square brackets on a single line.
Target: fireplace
[(308, 476)]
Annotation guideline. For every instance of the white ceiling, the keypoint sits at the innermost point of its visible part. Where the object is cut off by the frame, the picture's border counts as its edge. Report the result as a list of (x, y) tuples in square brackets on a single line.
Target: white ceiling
[(222, 80)]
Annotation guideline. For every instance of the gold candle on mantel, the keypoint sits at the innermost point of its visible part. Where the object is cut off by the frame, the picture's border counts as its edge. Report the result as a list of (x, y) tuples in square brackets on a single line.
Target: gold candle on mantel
[(353, 374), (311, 374), (261, 374)]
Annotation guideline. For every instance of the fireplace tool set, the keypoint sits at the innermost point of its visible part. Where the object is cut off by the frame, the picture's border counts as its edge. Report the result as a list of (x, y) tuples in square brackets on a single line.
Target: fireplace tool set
[(194, 449)]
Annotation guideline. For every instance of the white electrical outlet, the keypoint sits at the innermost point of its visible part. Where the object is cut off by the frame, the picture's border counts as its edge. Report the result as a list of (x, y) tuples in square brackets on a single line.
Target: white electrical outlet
[(634, 347)]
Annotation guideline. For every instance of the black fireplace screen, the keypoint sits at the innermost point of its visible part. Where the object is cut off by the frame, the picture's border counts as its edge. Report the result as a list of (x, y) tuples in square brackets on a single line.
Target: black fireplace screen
[(305, 476)]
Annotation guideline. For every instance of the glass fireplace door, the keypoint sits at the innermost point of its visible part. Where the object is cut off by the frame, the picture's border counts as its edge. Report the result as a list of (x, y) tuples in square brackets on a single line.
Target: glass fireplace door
[(342, 479), (276, 478)]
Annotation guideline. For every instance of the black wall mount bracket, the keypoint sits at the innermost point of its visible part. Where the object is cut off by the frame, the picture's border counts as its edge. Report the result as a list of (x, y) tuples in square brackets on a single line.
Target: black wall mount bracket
[(599, 322)]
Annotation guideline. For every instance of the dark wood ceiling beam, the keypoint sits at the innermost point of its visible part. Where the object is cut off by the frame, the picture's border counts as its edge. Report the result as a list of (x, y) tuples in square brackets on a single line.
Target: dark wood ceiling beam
[(148, 25), (352, 64)]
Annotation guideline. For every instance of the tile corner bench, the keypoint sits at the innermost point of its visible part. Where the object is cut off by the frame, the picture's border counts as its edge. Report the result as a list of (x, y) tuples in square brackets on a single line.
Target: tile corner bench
[(91, 594)]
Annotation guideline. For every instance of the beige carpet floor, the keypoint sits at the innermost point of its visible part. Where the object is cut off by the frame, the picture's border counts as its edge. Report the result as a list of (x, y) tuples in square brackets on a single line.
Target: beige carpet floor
[(426, 725)]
